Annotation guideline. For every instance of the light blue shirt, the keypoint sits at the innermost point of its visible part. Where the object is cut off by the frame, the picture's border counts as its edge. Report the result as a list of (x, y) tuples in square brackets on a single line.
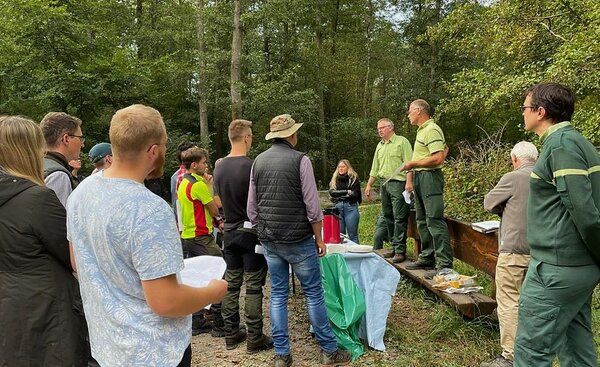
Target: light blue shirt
[(122, 234)]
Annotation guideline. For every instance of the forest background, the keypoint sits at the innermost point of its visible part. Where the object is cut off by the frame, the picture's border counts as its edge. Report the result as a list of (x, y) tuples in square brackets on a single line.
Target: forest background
[(335, 65)]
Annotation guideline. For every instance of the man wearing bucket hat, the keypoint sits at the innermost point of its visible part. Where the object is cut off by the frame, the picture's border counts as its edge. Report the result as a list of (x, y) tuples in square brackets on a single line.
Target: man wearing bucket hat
[(100, 156), (284, 206)]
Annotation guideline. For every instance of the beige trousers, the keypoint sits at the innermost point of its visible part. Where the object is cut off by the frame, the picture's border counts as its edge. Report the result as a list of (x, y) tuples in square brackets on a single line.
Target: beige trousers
[(510, 273)]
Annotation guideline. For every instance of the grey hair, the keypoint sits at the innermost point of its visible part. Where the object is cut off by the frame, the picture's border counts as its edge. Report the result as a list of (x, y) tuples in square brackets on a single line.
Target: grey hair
[(524, 151), (387, 120), (423, 105)]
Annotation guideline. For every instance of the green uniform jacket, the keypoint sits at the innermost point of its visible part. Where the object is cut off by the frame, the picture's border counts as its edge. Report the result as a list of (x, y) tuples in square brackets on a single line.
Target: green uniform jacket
[(564, 203)]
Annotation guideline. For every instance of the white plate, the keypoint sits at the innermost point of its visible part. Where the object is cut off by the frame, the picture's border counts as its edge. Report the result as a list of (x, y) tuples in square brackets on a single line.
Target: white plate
[(360, 248)]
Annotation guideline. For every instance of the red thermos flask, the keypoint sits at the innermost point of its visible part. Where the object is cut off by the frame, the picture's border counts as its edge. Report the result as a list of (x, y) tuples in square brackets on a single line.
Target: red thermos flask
[(331, 225)]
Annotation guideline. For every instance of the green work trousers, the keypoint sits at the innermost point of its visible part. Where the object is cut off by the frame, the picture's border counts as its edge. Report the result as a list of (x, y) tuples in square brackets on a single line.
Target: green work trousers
[(555, 316), (396, 213), (429, 207), (381, 233), (243, 265)]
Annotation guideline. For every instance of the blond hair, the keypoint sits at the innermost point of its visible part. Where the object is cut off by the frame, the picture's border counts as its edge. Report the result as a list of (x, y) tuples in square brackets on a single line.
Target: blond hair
[(22, 148), (194, 154), (133, 129), (351, 173), (238, 129)]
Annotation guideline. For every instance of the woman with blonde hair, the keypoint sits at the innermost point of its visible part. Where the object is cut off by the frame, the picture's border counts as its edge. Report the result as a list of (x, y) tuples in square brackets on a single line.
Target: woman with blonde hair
[(344, 190), (40, 326)]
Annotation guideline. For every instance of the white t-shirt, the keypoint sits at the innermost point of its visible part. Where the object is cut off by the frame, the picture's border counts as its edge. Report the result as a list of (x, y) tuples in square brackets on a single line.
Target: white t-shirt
[(122, 234)]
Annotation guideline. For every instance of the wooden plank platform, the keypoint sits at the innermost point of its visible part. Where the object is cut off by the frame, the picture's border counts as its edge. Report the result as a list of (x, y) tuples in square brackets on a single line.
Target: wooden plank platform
[(477, 249), (470, 305)]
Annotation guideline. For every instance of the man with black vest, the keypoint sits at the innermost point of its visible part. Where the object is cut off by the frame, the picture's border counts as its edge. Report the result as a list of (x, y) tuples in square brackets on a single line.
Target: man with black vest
[(284, 206), (64, 141)]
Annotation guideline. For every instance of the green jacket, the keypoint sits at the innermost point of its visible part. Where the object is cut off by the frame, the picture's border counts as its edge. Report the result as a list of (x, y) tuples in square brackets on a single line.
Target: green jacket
[(564, 202)]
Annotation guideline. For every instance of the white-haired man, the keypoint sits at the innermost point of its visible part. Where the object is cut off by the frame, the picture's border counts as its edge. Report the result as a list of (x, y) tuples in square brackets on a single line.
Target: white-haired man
[(509, 200)]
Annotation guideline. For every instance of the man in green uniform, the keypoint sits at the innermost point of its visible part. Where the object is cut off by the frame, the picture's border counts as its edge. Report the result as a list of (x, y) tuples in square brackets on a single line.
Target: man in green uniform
[(391, 152), (426, 179), (563, 231)]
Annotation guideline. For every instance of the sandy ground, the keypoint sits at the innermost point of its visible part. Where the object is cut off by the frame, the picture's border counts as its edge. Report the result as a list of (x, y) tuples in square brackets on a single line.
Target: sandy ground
[(209, 351)]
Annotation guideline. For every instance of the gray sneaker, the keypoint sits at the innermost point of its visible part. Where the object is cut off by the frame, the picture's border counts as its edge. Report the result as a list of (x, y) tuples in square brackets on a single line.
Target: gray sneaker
[(499, 361), (283, 361), (339, 357)]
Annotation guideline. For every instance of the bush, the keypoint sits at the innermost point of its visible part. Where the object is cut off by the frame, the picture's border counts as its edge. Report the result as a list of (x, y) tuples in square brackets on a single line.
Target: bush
[(472, 174)]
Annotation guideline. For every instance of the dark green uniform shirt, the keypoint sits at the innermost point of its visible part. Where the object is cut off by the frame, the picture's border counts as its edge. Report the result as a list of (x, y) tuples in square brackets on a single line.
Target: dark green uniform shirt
[(564, 202)]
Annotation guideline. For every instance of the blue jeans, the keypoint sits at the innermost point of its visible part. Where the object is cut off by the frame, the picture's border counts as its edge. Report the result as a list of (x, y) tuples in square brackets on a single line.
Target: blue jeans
[(349, 216), (305, 262)]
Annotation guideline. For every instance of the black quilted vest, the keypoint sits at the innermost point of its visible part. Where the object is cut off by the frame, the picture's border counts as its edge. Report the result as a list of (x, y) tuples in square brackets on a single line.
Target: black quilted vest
[(281, 209)]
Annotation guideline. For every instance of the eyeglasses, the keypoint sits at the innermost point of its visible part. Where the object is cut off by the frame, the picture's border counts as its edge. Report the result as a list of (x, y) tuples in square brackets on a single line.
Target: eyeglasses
[(523, 108), (80, 137), (383, 127)]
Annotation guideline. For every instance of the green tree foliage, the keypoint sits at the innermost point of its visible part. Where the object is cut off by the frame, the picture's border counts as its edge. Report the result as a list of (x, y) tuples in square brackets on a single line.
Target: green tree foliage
[(335, 65)]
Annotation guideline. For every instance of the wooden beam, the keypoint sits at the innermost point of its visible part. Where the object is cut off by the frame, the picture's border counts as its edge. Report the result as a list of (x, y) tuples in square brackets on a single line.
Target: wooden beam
[(470, 305)]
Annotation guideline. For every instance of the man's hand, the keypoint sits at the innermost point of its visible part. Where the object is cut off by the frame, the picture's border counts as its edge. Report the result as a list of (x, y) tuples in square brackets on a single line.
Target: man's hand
[(218, 288), (368, 192), (407, 166), (321, 248), (208, 178)]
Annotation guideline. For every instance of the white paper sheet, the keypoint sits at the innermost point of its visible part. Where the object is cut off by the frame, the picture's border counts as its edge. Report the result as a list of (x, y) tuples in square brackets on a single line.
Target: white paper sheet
[(406, 195), (200, 270)]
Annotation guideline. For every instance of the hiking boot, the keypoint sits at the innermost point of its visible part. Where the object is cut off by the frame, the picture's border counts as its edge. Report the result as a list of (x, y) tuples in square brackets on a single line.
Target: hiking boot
[(217, 331), (499, 361), (283, 361), (338, 357), (232, 340), (255, 344), (200, 325), (398, 258), (419, 265), (385, 253)]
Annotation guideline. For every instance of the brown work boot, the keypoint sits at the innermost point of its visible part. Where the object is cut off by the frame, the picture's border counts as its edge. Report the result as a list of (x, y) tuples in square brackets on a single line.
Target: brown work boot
[(255, 344), (283, 361), (339, 357), (385, 253), (420, 265), (232, 340), (399, 258)]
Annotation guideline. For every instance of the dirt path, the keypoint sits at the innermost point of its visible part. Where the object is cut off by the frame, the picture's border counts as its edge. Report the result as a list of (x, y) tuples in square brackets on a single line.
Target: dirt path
[(209, 351)]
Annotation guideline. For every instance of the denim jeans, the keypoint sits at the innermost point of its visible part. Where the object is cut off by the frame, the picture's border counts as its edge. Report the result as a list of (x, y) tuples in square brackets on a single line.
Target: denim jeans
[(349, 217), (305, 262)]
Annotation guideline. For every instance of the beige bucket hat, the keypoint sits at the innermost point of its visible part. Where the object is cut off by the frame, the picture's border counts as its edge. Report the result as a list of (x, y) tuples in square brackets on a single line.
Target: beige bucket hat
[(282, 126)]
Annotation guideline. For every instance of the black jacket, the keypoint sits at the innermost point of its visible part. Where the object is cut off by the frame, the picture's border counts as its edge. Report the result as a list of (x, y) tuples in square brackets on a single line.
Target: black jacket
[(342, 185), (39, 324)]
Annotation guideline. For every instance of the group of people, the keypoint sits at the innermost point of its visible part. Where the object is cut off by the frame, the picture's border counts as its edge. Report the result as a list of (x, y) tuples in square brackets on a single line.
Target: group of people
[(110, 247), (532, 291), (88, 269), (404, 173)]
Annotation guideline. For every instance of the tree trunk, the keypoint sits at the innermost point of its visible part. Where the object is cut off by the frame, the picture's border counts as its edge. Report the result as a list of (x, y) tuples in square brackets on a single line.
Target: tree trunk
[(202, 92), (320, 92), (367, 86), (236, 49), (139, 12)]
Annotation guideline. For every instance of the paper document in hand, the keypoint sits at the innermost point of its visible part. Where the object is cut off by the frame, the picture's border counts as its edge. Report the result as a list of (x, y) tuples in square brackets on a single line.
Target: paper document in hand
[(486, 226), (200, 270), (406, 195)]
